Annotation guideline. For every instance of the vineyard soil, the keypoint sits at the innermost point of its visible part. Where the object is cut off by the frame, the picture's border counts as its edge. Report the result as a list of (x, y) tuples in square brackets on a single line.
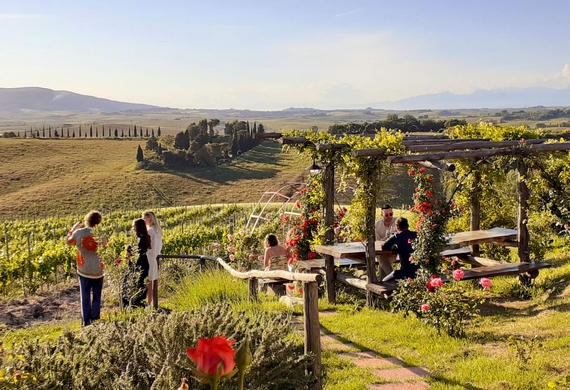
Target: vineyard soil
[(59, 302)]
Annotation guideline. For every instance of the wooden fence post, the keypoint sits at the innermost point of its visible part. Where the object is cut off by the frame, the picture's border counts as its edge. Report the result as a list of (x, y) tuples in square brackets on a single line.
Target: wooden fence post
[(312, 329), (252, 285)]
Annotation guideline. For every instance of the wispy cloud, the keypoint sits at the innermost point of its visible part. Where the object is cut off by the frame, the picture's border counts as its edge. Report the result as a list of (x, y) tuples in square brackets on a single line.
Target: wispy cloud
[(20, 16), (349, 12)]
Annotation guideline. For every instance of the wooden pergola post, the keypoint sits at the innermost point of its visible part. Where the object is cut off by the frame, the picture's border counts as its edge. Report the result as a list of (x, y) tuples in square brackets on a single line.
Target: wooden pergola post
[(312, 329), (523, 236), (328, 184), (476, 208), (371, 242)]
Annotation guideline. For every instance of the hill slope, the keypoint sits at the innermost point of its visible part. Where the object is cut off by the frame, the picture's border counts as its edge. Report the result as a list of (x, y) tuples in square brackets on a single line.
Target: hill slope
[(16, 100)]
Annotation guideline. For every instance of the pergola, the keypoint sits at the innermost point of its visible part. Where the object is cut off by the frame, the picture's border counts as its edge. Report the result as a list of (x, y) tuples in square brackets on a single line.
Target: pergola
[(431, 152)]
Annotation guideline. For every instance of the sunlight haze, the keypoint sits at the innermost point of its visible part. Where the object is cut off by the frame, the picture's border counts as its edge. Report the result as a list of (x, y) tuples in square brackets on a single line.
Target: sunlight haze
[(267, 55)]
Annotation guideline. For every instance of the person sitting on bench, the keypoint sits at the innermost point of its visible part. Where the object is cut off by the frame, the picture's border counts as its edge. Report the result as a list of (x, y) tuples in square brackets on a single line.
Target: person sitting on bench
[(401, 244), (275, 257)]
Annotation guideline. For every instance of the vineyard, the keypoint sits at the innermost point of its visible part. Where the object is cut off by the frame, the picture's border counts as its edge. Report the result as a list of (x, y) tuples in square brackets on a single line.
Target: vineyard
[(34, 252)]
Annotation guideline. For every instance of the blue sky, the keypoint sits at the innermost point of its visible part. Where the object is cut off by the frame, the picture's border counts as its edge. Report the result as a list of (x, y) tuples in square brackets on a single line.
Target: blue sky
[(266, 55)]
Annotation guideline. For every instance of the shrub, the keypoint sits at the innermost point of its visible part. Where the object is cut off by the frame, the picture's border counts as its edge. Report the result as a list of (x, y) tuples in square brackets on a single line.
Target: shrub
[(150, 352)]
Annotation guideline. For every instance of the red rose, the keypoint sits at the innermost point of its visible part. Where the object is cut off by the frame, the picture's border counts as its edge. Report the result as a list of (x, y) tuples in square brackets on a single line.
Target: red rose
[(210, 353)]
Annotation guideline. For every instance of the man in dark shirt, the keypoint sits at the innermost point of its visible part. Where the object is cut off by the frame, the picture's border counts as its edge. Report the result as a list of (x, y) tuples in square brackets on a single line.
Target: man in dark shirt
[(401, 244)]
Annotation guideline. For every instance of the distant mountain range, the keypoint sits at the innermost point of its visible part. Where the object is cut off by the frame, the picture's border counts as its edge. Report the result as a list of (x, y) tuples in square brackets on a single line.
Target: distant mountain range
[(18, 100), (496, 98), (14, 101)]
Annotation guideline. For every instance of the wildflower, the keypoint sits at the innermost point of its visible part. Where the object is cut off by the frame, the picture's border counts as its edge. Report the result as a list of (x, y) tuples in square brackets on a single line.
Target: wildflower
[(458, 274), (485, 283)]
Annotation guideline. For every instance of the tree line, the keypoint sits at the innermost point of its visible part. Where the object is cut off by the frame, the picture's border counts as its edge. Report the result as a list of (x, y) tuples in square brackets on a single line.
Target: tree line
[(407, 123), (70, 132), (201, 144)]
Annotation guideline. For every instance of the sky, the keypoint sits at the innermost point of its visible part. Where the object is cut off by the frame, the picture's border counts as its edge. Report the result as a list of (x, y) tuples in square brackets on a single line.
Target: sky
[(271, 55)]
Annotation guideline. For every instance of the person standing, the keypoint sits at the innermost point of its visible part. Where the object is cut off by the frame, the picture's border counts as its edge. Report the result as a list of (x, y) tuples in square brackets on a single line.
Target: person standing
[(139, 269), (89, 266), (155, 233)]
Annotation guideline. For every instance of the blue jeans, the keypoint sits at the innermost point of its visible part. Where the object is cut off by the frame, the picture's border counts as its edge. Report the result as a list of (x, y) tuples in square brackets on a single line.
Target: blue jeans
[(90, 309)]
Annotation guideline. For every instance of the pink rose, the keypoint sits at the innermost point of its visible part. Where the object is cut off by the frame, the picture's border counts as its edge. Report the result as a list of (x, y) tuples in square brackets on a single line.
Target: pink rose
[(231, 249), (260, 257), (424, 307), (436, 282), (216, 244), (485, 283), (251, 257), (230, 237), (458, 274), (232, 257)]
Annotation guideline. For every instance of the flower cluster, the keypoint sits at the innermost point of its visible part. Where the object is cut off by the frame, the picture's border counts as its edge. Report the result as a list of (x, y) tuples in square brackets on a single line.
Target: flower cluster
[(303, 228), (434, 213)]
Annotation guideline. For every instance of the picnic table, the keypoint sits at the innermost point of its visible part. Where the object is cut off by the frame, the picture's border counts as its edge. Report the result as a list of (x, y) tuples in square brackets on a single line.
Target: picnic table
[(357, 250), (455, 247)]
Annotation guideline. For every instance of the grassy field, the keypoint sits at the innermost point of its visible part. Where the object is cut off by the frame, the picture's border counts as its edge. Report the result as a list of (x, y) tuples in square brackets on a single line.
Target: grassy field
[(60, 177), (49, 177)]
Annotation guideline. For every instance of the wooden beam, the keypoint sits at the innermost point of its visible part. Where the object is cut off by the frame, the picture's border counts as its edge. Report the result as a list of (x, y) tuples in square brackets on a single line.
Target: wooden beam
[(442, 166), (292, 141), (560, 146), (462, 145), (416, 158), (296, 276), (324, 147), (267, 135), (369, 153)]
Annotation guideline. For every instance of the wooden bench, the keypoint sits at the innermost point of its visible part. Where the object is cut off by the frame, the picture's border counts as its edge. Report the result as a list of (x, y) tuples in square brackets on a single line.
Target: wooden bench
[(316, 264), (461, 253), (528, 271)]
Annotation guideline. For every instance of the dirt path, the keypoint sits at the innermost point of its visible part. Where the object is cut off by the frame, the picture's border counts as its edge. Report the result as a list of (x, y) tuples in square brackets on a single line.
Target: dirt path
[(57, 303)]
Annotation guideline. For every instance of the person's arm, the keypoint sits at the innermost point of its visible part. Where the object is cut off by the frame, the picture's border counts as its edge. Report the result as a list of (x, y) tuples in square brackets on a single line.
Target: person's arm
[(387, 246), (266, 260)]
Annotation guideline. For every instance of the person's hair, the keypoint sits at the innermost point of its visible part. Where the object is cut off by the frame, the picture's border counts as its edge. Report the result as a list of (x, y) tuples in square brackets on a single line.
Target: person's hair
[(153, 220), (386, 207), (402, 224), (271, 240), (93, 218), (140, 230)]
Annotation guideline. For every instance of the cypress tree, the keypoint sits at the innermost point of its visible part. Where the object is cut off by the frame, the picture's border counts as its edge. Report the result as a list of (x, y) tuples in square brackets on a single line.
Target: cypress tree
[(152, 131), (91, 131), (97, 133), (158, 131), (140, 155), (79, 131), (116, 133), (135, 130), (122, 132)]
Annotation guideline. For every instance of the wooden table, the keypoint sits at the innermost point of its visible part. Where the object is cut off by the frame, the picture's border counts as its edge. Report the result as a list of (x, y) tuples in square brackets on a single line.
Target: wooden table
[(500, 236), (350, 250)]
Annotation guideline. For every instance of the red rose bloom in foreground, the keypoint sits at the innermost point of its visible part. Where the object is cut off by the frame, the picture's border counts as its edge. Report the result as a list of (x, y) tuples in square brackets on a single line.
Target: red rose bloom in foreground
[(210, 352)]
